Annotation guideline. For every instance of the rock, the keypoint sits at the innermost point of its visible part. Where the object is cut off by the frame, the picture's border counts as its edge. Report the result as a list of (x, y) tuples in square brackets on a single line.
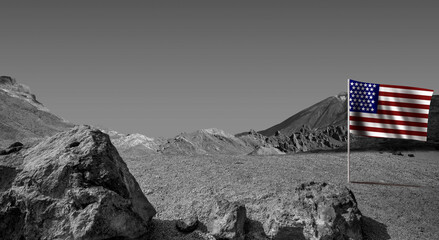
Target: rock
[(317, 211), (227, 220), (398, 153), (411, 155), (187, 224), (73, 185)]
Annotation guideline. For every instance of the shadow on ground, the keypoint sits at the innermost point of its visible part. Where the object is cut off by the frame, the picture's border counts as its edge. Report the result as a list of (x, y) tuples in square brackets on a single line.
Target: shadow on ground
[(374, 230), (255, 231), (166, 230)]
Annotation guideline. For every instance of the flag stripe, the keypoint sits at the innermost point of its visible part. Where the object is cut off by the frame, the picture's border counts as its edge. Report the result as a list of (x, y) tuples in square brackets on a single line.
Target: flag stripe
[(388, 126), (404, 114), (405, 87), (403, 95), (385, 130), (402, 109), (388, 121), (405, 100), (390, 117), (388, 135), (402, 104), (405, 91)]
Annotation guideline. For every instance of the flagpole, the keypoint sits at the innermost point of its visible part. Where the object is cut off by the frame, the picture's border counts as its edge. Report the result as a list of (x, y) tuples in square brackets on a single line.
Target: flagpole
[(349, 130)]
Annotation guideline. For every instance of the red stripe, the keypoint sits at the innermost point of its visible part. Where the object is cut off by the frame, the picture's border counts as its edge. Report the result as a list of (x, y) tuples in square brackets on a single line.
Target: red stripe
[(386, 130), (404, 114), (402, 104), (404, 95), (405, 87), (387, 121)]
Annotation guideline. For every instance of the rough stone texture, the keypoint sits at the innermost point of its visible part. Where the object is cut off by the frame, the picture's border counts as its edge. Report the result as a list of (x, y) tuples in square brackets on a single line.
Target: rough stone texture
[(187, 224), (227, 220), (73, 185), (318, 211)]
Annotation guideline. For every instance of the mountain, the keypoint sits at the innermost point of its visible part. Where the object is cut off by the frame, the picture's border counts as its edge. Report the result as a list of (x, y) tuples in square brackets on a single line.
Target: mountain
[(329, 112), (134, 144), (206, 141), (22, 117)]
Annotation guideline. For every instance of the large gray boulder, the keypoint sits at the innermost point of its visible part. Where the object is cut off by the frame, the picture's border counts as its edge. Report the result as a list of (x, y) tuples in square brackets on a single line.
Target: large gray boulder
[(73, 185), (318, 211)]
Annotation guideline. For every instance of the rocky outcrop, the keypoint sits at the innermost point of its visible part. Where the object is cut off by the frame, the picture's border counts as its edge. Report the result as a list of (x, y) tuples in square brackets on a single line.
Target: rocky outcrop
[(227, 220), (252, 138), (73, 185), (317, 211), (306, 139)]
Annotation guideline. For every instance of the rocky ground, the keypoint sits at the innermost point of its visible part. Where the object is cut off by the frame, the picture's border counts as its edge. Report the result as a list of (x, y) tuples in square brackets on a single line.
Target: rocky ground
[(179, 186)]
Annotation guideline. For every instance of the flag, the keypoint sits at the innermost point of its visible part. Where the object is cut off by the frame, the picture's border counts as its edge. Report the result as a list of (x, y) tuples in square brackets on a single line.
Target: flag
[(388, 111)]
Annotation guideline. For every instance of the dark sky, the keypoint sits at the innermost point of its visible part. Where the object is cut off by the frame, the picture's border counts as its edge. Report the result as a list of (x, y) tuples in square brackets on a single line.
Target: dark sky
[(164, 67)]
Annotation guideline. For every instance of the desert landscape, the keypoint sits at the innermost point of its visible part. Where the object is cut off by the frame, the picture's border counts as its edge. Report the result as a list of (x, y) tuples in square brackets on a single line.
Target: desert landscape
[(64, 181), (219, 120)]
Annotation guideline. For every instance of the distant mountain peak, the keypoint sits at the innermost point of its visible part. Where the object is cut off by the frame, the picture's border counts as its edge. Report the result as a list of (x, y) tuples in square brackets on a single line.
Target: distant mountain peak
[(21, 91), (330, 111), (216, 131), (22, 117)]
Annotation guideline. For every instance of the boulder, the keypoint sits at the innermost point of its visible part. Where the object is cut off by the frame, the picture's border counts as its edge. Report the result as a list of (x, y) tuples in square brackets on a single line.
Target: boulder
[(73, 185), (317, 211), (227, 220)]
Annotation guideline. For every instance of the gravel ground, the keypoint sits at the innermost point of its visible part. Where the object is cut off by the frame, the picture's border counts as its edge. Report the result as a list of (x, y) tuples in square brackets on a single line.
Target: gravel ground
[(182, 185)]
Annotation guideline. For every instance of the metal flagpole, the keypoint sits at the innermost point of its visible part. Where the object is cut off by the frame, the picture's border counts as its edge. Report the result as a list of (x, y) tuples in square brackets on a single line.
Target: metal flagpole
[(349, 130)]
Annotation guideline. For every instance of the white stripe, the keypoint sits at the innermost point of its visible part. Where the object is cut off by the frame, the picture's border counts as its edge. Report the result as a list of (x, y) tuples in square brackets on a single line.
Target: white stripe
[(403, 109), (388, 126), (404, 100), (388, 135), (390, 117), (406, 91)]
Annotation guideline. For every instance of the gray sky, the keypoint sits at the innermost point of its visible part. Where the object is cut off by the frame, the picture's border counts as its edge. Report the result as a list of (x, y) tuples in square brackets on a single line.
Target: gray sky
[(164, 67)]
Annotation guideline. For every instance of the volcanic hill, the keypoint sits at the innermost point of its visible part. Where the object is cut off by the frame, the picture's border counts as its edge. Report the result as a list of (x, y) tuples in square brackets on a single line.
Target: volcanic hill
[(328, 112)]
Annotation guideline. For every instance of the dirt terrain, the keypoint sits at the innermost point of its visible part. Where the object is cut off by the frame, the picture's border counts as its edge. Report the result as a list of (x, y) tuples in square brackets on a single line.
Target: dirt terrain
[(181, 185)]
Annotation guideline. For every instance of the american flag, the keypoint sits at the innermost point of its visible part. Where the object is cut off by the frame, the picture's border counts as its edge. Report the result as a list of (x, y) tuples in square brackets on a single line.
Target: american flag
[(388, 111)]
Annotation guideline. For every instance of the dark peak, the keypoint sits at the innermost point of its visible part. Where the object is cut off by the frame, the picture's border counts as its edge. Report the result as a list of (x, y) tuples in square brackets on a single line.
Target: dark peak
[(342, 96), (6, 80)]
